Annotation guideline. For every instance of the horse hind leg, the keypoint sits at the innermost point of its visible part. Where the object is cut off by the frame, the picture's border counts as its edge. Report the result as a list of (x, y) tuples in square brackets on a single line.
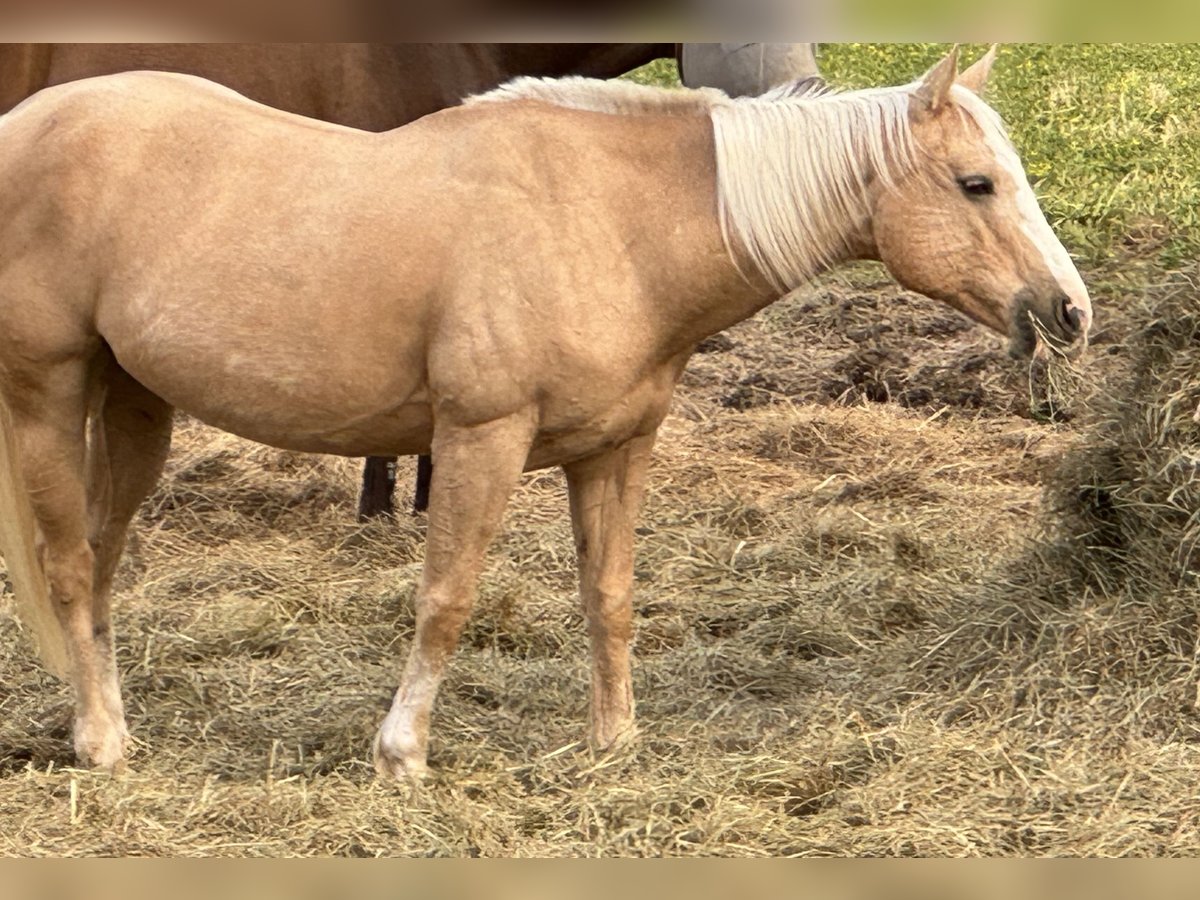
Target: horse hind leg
[(49, 421), (130, 437)]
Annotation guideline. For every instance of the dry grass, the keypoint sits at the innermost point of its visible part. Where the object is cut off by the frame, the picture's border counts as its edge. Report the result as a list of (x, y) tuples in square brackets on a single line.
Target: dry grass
[(859, 631), (1098, 622)]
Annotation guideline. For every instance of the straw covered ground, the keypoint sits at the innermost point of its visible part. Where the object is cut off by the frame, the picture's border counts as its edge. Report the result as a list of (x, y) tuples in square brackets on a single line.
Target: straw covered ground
[(897, 594)]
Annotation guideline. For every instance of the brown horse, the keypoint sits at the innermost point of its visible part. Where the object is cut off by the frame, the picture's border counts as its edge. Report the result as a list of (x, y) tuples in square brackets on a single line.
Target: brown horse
[(512, 284), (378, 87)]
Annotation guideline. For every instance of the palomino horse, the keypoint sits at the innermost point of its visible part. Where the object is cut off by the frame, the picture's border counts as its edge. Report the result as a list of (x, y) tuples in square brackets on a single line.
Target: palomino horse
[(513, 284), (378, 87)]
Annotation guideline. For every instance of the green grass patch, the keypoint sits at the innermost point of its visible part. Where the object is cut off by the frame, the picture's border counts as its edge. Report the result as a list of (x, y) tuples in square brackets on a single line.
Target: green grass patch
[(1109, 134), (661, 72)]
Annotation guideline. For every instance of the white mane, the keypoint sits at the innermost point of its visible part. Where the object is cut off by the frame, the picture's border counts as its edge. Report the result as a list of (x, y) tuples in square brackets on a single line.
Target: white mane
[(792, 165), (617, 97)]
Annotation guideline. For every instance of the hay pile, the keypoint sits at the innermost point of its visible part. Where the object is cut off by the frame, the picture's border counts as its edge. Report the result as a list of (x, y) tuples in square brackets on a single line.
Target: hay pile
[(1122, 524), (826, 661), (1086, 645), (1128, 503)]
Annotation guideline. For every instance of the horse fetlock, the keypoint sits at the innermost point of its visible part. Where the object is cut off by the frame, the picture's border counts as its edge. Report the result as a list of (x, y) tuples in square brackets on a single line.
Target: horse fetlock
[(115, 708), (610, 731)]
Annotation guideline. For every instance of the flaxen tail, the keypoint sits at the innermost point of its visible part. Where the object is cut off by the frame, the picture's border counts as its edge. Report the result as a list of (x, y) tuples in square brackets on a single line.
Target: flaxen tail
[(25, 573)]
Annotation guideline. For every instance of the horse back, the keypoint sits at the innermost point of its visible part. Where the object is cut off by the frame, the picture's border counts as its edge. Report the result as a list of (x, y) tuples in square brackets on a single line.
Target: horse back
[(134, 158)]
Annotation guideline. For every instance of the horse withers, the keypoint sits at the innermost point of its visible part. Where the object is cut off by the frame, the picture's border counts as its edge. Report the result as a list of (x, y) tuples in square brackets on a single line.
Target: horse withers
[(512, 284)]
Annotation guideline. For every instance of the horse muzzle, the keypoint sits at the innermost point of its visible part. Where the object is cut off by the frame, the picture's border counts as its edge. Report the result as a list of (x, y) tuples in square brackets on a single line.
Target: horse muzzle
[(1057, 320)]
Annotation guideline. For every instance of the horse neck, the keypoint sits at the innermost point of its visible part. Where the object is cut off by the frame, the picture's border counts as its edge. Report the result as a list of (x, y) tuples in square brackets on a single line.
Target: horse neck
[(795, 175), (694, 287), (720, 278)]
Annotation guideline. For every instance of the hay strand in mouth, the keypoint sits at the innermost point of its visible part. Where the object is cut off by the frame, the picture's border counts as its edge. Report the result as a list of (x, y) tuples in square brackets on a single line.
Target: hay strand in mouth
[(1055, 375)]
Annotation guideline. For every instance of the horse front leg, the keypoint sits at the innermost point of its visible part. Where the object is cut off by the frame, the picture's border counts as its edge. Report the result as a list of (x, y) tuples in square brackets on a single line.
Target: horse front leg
[(606, 493), (476, 470)]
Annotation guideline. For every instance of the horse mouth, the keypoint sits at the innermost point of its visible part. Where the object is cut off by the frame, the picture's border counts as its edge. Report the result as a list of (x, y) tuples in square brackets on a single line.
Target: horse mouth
[(1029, 327), (1023, 336)]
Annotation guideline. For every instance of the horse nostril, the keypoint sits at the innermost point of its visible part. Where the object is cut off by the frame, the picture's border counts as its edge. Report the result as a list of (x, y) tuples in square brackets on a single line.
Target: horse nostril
[(1069, 316), (1075, 317)]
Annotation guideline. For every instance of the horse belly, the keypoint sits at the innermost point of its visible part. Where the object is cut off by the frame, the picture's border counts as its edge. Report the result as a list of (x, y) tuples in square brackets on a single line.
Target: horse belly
[(322, 395), (356, 420)]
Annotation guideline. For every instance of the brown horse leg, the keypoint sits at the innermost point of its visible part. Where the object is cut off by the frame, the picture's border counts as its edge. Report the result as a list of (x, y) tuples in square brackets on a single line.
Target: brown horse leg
[(131, 434), (378, 484), (477, 469), (606, 492), (49, 418)]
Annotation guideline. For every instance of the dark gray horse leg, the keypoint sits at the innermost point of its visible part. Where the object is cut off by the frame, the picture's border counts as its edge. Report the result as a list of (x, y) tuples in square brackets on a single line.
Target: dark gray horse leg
[(379, 480), (379, 484), (424, 476)]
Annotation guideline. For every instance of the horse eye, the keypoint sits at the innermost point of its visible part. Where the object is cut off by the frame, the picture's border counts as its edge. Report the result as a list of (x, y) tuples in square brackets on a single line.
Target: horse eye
[(977, 185)]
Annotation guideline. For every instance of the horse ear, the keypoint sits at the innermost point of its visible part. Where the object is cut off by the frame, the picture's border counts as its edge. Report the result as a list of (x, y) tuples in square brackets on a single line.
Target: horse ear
[(975, 77), (933, 91)]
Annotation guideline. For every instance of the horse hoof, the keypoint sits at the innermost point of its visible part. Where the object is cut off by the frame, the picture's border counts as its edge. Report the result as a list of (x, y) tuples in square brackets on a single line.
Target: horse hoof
[(103, 752), (403, 767)]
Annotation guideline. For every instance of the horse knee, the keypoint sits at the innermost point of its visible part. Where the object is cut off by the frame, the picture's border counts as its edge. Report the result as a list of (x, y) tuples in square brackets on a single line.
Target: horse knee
[(69, 574), (610, 611), (440, 618)]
